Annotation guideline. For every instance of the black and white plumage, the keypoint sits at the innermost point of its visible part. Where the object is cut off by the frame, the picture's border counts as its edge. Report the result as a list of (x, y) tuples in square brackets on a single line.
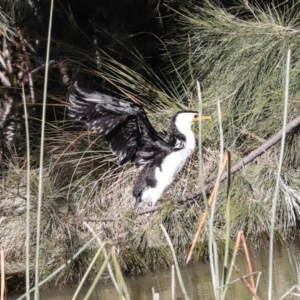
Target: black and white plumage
[(125, 126)]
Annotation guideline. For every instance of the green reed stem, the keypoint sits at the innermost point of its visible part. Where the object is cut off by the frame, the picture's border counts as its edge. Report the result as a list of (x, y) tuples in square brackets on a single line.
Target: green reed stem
[(27, 198), (274, 202), (183, 289), (40, 191)]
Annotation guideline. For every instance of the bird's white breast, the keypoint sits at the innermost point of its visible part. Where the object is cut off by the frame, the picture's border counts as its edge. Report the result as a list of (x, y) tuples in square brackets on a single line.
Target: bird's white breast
[(171, 165), (167, 171)]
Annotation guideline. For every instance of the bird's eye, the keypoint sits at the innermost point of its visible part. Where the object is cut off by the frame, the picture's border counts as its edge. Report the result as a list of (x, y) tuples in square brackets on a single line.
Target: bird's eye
[(195, 116)]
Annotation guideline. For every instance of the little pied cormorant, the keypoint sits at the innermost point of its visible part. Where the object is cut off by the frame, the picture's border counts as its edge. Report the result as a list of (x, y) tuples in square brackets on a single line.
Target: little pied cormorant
[(125, 126)]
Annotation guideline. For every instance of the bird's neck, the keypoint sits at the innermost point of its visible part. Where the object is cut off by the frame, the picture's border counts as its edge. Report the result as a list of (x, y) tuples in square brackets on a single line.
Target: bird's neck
[(187, 133)]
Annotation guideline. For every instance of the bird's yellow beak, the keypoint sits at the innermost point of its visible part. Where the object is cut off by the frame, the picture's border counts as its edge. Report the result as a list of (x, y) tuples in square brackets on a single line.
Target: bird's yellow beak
[(203, 118)]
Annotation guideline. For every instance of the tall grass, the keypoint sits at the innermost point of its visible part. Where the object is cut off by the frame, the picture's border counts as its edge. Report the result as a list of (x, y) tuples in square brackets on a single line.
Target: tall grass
[(41, 172), (274, 202), (57, 271), (27, 199)]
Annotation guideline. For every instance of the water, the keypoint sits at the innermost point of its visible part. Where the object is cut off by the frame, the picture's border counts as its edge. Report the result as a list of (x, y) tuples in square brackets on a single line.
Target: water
[(198, 281)]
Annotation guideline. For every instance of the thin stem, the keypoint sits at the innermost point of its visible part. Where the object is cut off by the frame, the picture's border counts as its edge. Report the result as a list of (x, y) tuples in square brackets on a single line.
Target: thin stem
[(227, 226), (40, 191), (201, 177), (212, 245), (122, 285), (2, 273), (27, 198), (97, 278), (173, 283), (111, 273), (175, 263), (88, 271), (274, 202)]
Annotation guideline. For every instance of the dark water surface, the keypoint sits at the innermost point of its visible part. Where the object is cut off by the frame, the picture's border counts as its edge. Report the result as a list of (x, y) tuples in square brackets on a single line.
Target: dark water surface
[(197, 279)]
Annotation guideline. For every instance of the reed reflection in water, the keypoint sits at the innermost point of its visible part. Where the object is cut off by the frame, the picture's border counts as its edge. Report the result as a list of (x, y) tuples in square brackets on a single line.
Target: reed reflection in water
[(198, 282)]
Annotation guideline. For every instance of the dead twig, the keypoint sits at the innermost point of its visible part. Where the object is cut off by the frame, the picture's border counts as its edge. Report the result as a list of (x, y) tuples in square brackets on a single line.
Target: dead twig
[(148, 210), (252, 287), (204, 215), (246, 283), (3, 285)]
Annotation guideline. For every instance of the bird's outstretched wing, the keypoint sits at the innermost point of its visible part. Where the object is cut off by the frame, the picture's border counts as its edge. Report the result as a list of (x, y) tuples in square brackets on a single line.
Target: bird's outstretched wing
[(122, 123)]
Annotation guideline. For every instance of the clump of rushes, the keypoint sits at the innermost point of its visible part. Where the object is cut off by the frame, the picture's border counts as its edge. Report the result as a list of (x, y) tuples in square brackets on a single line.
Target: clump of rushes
[(239, 55), (239, 58)]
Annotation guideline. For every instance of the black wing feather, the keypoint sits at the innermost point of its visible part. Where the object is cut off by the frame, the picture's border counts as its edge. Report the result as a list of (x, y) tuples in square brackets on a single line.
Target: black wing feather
[(124, 140), (122, 123)]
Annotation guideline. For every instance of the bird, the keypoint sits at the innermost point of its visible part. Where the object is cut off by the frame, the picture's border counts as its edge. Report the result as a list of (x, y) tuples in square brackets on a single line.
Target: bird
[(125, 126)]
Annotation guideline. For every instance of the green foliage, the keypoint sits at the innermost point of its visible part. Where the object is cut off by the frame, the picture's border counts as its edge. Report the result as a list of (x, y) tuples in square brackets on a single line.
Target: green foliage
[(239, 57), (5, 25)]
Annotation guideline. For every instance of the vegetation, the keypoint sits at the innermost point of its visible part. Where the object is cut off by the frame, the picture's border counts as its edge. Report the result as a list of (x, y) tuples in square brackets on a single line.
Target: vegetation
[(239, 56)]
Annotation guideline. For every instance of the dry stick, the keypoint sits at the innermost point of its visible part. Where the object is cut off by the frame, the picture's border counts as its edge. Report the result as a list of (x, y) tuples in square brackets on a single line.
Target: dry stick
[(235, 251), (51, 62), (241, 237), (2, 274), (250, 157), (248, 286), (289, 292), (250, 269), (173, 283), (204, 215), (31, 81), (239, 279), (149, 210)]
